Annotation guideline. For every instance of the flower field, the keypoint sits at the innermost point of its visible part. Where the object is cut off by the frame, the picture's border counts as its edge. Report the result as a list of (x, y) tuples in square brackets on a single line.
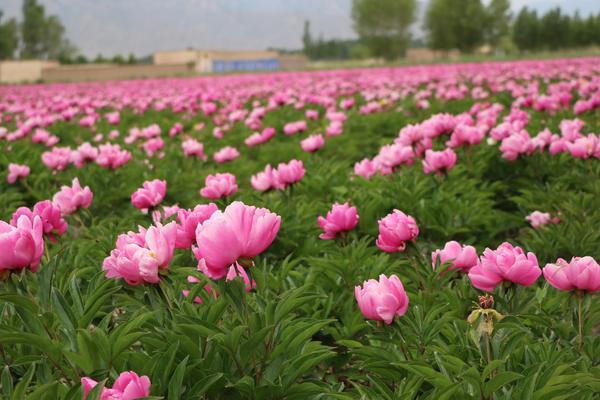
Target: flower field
[(426, 232)]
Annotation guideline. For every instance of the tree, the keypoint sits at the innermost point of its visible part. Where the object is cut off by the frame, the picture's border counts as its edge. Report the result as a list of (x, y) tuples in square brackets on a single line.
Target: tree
[(9, 38), (555, 29), (498, 21), (455, 24), (307, 40), (131, 59), (382, 25), (118, 59), (43, 37), (526, 30), (32, 29), (99, 59)]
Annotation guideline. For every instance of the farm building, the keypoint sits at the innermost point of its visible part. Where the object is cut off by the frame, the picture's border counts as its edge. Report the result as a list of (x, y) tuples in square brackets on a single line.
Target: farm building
[(220, 61)]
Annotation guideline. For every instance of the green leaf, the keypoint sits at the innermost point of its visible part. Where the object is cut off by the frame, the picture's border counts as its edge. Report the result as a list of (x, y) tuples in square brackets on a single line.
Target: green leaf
[(19, 392), (503, 378), (176, 382)]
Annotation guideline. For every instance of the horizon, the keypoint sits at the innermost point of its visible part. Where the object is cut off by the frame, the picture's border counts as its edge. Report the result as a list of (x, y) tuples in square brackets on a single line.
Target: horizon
[(211, 24)]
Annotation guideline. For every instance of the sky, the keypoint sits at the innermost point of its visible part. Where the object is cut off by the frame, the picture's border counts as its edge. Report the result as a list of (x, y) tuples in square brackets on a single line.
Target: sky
[(143, 26)]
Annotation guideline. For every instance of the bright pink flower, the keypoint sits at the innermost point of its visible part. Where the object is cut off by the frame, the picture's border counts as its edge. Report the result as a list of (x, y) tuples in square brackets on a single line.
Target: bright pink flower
[(218, 186), (189, 221), (538, 218), (85, 152), (152, 146), (111, 156), (192, 147), (582, 273), (150, 195), (87, 121), (128, 386), (113, 118), (57, 159), (347, 104), (382, 300), (341, 218), (21, 243), (51, 217), (17, 171), (292, 128), (227, 153), (461, 257), (584, 147), (266, 180), (465, 135), (365, 168), (138, 257), (395, 229), (69, 199), (312, 143), (517, 144), (312, 114), (175, 129), (392, 155), (258, 138), (290, 173), (438, 161), (240, 232), (506, 263)]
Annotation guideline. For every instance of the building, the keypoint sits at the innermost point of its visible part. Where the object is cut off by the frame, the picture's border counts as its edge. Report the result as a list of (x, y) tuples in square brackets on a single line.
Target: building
[(204, 61), (13, 71)]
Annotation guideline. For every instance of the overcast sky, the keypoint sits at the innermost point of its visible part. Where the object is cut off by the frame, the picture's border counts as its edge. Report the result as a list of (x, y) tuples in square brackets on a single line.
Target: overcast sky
[(143, 26)]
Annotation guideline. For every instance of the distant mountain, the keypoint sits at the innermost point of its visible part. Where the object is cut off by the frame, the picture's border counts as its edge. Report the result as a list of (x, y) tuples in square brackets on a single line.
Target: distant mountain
[(144, 26)]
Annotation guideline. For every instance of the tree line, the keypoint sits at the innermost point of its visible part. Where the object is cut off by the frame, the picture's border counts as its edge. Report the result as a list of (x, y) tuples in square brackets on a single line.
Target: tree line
[(384, 29), (42, 37), (36, 36)]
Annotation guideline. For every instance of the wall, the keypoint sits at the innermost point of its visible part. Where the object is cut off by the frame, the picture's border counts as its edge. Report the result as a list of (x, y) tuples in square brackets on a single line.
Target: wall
[(23, 71), (76, 73), (431, 55), (293, 62), (174, 57)]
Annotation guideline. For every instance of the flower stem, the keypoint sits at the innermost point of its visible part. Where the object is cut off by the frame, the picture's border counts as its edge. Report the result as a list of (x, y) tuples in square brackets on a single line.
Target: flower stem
[(580, 320)]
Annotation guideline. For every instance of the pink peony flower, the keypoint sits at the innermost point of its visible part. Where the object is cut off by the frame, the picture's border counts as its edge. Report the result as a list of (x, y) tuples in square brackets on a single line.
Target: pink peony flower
[(218, 186), (52, 221), (538, 218), (506, 263), (85, 152), (341, 218), (312, 143), (69, 199), (128, 386), (461, 257), (57, 159), (267, 180), (17, 171), (138, 257), (240, 232), (227, 153), (21, 243), (111, 156), (189, 221), (365, 168), (438, 161), (290, 173), (150, 195), (382, 300), (192, 147), (582, 273), (395, 229)]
